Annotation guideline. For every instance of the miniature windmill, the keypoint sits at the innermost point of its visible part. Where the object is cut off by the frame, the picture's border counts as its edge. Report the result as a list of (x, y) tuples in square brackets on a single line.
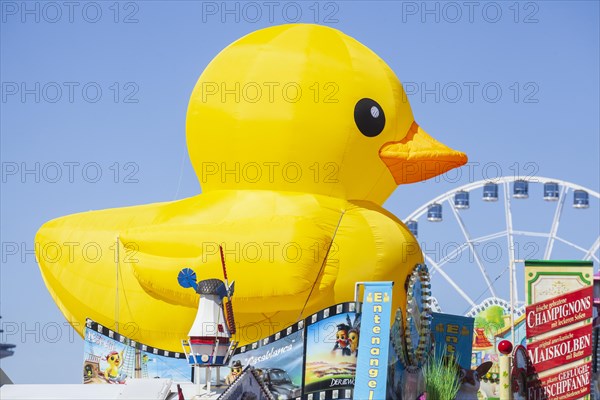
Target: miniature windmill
[(209, 343)]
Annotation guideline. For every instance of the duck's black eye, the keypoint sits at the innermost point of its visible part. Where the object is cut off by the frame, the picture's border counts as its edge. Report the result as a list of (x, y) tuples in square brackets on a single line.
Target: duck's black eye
[(369, 117)]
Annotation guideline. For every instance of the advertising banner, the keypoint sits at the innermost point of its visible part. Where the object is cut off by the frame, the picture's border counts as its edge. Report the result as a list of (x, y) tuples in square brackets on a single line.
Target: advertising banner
[(560, 349), (113, 358), (559, 311), (371, 373), (331, 346), (453, 336), (278, 361), (572, 383), (559, 328), (312, 359)]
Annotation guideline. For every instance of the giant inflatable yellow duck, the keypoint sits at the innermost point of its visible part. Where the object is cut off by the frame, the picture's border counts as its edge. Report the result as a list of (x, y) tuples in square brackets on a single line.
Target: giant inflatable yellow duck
[(298, 133)]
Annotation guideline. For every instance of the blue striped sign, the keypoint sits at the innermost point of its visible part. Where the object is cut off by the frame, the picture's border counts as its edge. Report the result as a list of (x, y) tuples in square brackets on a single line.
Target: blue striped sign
[(371, 365)]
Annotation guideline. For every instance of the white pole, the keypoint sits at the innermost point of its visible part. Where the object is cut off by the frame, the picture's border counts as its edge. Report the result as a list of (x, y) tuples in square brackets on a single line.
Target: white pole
[(512, 303), (197, 380), (505, 381), (208, 378), (511, 258), (117, 285)]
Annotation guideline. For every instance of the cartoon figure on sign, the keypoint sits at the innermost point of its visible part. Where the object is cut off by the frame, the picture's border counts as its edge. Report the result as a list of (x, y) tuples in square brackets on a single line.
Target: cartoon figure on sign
[(353, 334), (342, 343), (353, 339), (88, 372), (236, 371), (111, 373)]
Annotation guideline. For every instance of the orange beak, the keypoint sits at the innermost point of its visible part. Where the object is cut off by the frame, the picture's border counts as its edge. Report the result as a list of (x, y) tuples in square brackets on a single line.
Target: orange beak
[(418, 157)]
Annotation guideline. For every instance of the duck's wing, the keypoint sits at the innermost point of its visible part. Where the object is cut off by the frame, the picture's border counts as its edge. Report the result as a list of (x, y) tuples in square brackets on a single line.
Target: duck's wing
[(275, 262), (121, 265), (84, 265)]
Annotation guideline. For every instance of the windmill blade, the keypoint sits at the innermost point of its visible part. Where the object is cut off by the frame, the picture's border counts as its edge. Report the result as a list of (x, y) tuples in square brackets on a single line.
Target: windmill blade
[(187, 278), (229, 316), (228, 305)]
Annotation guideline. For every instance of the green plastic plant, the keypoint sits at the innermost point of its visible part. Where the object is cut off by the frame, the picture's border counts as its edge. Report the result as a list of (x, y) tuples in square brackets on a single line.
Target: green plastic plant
[(441, 378)]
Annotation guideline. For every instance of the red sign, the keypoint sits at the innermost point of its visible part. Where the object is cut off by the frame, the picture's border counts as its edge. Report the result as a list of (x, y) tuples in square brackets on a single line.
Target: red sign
[(560, 349), (548, 350), (570, 384), (563, 310)]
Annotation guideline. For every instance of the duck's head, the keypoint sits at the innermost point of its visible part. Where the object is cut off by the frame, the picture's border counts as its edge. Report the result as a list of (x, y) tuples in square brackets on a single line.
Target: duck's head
[(307, 108)]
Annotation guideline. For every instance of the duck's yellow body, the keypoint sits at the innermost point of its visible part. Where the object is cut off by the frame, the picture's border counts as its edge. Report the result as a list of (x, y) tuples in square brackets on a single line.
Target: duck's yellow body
[(298, 133)]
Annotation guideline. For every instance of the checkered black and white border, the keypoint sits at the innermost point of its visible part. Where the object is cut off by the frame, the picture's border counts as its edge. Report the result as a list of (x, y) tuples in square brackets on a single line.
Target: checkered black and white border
[(330, 395), (90, 324), (331, 311), (270, 339)]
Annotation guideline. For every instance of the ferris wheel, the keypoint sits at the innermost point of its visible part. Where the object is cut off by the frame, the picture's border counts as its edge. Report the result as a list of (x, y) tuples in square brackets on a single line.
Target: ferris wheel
[(476, 255)]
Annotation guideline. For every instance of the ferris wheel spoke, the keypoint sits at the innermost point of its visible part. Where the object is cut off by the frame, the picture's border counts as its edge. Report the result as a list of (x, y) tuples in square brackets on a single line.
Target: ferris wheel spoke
[(565, 241), (577, 247), (470, 244), (592, 250), (489, 237), (450, 256), (555, 222), (529, 233), (449, 280)]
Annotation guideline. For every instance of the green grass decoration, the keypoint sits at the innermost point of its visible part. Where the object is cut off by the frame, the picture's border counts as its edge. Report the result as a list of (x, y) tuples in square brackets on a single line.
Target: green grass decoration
[(441, 378)]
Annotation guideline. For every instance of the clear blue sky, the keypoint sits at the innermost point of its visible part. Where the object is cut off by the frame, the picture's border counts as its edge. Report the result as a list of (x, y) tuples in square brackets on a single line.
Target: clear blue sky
[(146, 56)]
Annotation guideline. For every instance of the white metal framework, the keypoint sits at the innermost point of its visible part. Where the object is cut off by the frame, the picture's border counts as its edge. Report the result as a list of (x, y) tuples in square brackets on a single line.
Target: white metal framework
[(493, 301), (437, 266)]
